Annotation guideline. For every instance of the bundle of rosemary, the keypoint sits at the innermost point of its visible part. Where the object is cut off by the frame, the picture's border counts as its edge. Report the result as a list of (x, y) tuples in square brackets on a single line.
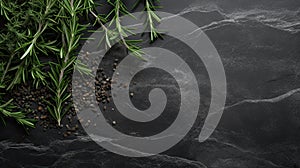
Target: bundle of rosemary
[(50, 28)]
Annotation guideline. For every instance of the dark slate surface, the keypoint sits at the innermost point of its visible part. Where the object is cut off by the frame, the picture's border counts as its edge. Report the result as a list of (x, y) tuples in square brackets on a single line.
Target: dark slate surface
[(258, 42)]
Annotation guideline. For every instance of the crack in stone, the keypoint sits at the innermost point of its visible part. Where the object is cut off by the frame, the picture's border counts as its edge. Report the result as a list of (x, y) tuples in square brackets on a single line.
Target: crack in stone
[(267, 100), (65, 156), (252, 154)]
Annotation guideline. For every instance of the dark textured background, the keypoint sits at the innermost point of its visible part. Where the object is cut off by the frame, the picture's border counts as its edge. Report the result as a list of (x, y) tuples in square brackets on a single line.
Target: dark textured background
[(258, 42)]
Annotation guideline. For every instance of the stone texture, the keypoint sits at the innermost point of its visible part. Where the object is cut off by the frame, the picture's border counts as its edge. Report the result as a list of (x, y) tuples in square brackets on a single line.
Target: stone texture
[(259, 46)]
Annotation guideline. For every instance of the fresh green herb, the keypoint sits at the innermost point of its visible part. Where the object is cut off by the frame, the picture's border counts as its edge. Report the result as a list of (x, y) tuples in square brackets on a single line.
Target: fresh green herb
[(7, 109), (35, 29), (152, 18)]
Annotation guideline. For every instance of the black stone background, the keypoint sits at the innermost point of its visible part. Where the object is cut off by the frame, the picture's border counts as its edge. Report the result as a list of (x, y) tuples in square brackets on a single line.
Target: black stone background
[(260, 125)]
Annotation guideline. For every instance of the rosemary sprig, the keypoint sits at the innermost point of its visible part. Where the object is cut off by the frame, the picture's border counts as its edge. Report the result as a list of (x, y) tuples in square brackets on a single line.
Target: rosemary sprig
[(71, 34), (122, 31), (6, 110), (152, 18)]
